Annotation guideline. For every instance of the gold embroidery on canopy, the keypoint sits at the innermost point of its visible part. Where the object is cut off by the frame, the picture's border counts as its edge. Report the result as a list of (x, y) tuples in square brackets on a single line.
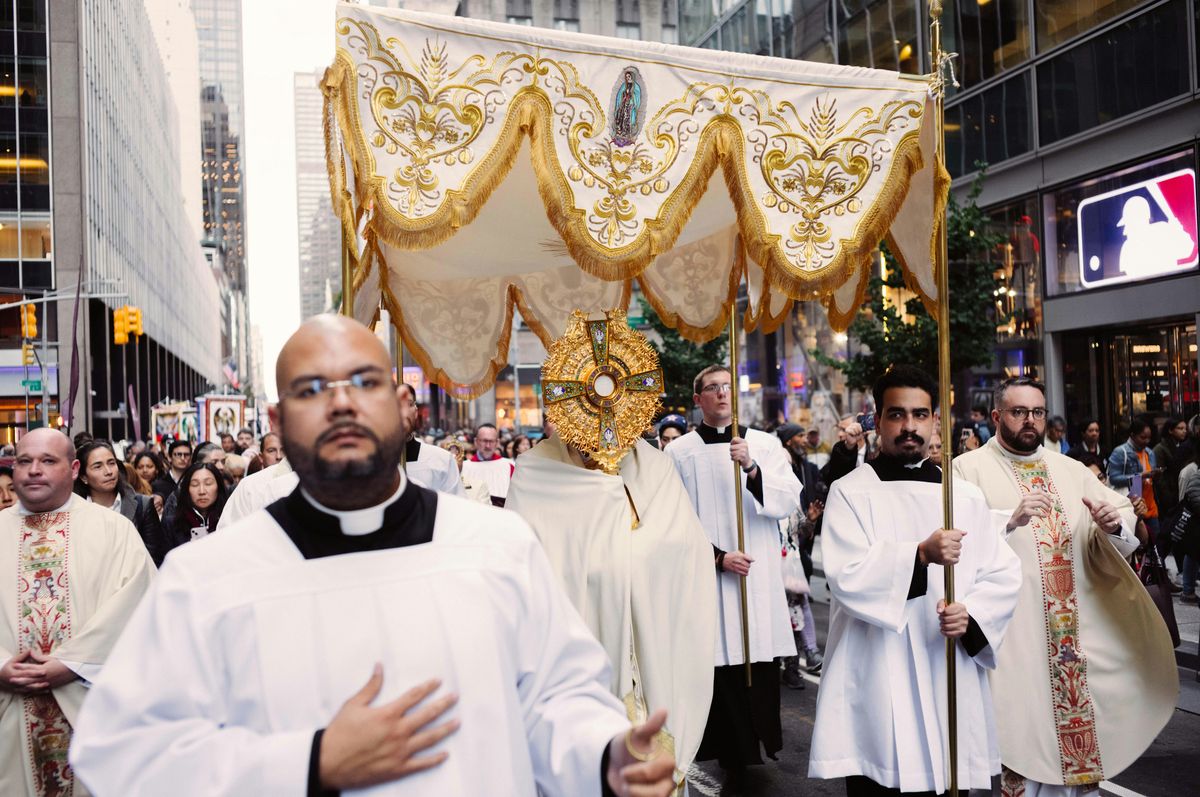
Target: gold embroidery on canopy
[(813, 167)]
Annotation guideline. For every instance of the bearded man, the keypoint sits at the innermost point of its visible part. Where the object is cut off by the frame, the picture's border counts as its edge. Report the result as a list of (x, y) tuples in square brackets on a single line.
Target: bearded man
[(1087, 677), (361, 632)]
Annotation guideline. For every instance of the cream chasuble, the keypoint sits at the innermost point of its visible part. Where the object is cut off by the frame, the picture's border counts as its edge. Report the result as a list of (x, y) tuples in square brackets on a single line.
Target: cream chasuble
[(1107, 682), (71, 580), (433, 468), (707, 474), (636, 563), (253, 648), (882, 710)]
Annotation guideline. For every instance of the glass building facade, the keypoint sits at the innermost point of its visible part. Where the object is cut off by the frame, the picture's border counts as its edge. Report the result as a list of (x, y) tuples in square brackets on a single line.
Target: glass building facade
[(1065, 102), (219, 29)]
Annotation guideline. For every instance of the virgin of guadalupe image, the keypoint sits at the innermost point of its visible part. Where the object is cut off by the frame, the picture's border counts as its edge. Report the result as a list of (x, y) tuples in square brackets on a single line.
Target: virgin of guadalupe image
[(626, 106)]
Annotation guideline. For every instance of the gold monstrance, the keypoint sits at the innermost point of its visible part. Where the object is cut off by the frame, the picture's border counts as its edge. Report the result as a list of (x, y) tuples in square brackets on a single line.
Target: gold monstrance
[(601, 384)]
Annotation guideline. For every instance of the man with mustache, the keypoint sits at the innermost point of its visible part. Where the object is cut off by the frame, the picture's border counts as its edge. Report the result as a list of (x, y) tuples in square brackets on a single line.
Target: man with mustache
[(1087, 677), (361, 632), (881, 716), (427, 466)]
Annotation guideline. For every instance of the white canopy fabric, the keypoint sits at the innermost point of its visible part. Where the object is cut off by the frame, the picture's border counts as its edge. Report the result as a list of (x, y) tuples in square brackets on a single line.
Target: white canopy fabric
[(479, 167)]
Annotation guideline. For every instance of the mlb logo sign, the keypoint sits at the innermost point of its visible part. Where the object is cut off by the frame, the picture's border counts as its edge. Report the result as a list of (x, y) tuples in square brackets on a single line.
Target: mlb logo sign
[(1141, 231)]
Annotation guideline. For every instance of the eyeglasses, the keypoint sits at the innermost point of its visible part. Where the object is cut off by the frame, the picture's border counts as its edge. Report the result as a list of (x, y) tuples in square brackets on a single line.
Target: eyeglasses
[(308, 390), (717, 388), (1021, 413), (181, 453)]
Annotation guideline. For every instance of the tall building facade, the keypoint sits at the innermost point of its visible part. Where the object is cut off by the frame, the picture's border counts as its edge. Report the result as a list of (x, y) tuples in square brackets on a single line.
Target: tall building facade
[(119, 209), (319, 233), (222, 92), (1076, 109)]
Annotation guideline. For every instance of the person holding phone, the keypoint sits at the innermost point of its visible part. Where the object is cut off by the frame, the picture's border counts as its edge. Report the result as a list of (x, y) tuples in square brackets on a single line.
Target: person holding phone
[(1132, 470)]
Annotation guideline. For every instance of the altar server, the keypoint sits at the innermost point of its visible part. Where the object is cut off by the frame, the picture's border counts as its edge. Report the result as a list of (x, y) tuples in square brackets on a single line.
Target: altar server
[(741, 719), (428, 466), (361, 632), (882, 711), (1087, 678)]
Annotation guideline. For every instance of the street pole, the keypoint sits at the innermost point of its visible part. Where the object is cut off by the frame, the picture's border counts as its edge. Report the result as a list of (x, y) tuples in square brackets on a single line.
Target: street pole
[(108, 367), (42, 366), (137, 379)]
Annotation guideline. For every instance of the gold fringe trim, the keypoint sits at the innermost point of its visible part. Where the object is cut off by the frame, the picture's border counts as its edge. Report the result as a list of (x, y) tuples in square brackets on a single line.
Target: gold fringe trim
[(720, 143), (513, 298)]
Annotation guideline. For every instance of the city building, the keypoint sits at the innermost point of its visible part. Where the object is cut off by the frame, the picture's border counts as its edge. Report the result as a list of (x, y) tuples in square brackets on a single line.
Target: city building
[(219, 28), (319, 229), (112, 188), (1085, 114)]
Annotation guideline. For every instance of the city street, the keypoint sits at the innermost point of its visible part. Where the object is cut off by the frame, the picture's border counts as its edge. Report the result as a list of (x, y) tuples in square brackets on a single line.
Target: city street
[(1174, 754)]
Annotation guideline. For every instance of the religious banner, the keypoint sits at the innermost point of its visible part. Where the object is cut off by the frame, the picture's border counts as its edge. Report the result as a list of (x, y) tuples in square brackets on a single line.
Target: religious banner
[(222, 415), (480, 168), (173, 421)]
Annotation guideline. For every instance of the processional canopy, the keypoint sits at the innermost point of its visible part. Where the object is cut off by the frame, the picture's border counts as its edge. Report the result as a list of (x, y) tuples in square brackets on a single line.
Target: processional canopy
[(479, 167)]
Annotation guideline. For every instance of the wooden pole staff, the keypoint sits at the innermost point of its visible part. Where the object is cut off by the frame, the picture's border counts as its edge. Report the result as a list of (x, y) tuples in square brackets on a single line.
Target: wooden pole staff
[(941, 271), (737, 480)]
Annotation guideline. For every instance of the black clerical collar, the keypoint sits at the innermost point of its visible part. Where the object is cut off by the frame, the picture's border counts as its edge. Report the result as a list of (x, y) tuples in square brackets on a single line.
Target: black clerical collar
[(408, 520), (711, 434), (412, 450), (890, 469)]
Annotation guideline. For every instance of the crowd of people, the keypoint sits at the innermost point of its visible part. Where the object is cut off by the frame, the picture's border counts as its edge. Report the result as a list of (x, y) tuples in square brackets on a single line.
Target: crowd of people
[(589, 639)]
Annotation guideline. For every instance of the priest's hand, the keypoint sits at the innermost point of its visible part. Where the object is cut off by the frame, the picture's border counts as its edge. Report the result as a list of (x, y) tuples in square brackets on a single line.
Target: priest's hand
[(739, 452), (53, 671), (952, 619), (737, 562), (365, 745), (1035, 504), (943, 547), (1105, 514), (648, 773), (15, 675)]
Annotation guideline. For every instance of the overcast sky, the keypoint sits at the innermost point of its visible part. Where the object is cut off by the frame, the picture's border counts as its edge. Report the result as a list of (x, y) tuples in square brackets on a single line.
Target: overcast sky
[(281, 37)]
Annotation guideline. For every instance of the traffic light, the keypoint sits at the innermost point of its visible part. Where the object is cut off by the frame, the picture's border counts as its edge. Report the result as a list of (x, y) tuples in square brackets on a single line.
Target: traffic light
[(28, 321), (27, 357), (134, 320), (121, 326)]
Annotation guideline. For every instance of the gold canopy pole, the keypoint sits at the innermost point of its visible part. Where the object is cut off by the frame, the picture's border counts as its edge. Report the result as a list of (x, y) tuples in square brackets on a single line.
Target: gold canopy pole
[(347, 275), (939, 61), (737, 479)]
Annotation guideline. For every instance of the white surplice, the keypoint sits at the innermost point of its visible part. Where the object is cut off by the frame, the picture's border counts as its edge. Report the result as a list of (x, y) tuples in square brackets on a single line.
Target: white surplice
[(707, 474), (881, 711), (107, 570), (244, 649), (647, 591), (495, 473), (1126, 692), (434, 469), (257, 491)]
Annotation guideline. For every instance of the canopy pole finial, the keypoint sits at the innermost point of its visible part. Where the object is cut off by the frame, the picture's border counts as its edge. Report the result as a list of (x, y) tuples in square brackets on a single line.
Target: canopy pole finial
[(942, 69)]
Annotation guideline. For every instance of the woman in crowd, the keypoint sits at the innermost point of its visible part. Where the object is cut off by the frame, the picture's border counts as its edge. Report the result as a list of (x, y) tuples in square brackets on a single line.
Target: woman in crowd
[(520, 444), (150, 468), (8, 496), (202, 497), (102, 481)]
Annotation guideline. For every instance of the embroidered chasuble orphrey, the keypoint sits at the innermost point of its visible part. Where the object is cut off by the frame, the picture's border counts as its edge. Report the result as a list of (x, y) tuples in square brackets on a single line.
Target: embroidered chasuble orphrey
[(1074, 712), (44, 623)]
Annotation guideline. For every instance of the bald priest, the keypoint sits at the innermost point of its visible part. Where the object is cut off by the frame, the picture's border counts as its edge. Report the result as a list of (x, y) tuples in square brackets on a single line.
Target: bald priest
[(362, 632)]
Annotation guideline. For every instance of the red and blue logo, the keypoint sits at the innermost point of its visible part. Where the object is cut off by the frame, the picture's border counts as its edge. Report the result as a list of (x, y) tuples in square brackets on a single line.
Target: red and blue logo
[(1138, 232)]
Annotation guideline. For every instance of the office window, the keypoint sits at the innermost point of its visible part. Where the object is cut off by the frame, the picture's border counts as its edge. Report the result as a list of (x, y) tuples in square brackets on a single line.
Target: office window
[(628, 12), (566, 11), (1136, 65), (804, 29), (696, 17), (1018, 261), (626, 30), (571, 25), (989, 37), (1061, 20), (882, 34), (990, 127), (670, 34), (737, 33)]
